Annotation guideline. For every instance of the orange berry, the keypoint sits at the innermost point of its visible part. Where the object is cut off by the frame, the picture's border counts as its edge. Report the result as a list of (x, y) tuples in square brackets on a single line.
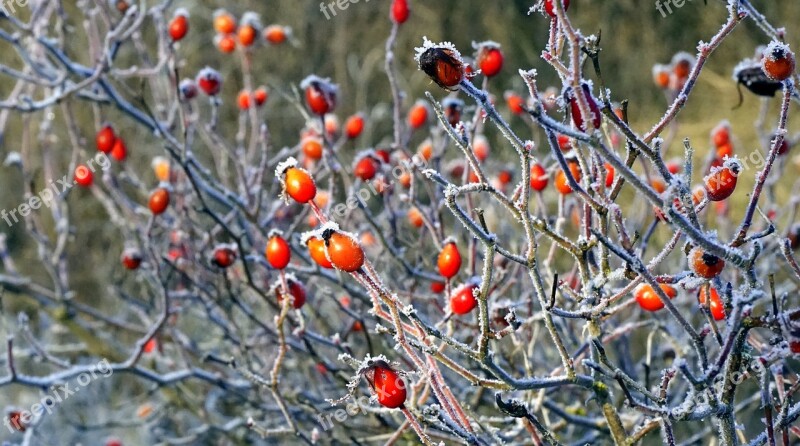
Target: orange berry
[(415, 217), (276, 34), (539, 177), (704, 264), (244, 100), (159, 201), (354, 126), (226, 43), (247, 35), (778, 62), (299, 185), (561, 183), (648, 299), (343, 251), (715, 305), (179, 25), (312, 147), (449, 260), (161, 168), (418, 115), (278, 252), (224, 22), (316, 249)]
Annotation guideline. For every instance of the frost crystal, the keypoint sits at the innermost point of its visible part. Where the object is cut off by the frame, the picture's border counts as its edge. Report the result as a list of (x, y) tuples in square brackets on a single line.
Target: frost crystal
[(427, 44)]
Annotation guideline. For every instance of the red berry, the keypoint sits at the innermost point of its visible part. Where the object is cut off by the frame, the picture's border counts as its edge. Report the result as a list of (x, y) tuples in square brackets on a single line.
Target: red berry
[(278, 252), (387, 384), (418, 115), (15, 421), (83, 176), (721, 134), (437, 287), (224, 22), (515, 103), (226, 43), (449, 260), (320, 95), (261, 96), (296, 290), (561, 182), (715, 305), (609, 174), (550, 8), (489, 59), (452, 110), (159, 201), (179, 25), (209, 80), (105, 139), (188, 89), (366, 167), (316, 249), (564, 143), (704, 264), (131, 258), (343, 251), (276, 34), (400, 11), (443, 65), (354, 126), (120, 150), (113, 442), (223, 256), (463, 300), (778, 62), (150, 345), (299, 185), (648, 299), (721, 182), (247, 35), (575, 109), (539, 177), (415, 217)]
